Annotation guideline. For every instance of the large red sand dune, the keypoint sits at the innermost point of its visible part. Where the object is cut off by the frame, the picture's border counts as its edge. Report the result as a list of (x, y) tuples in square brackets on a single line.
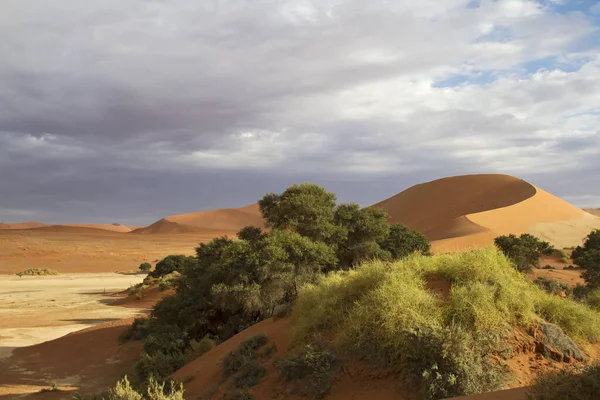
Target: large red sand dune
[(468, 211), (223, 220)]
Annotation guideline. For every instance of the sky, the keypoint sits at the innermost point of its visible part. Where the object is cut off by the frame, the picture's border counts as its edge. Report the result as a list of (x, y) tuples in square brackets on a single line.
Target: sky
[(128, 111)]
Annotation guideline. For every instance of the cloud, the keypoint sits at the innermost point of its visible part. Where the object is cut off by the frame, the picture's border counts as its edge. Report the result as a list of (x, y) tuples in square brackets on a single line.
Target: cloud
[(104, 93)]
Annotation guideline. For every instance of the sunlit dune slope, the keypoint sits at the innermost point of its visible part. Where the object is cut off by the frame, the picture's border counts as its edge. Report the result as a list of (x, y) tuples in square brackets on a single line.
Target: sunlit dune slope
[(468, 211), (108, 227), (22, 225), (223, 220), (593, 211)]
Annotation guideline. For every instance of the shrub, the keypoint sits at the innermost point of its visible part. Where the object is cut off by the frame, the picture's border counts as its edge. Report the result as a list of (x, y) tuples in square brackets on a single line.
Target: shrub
[(386, 312), (593, 299), (249, 375), (245, 353), (282, 311), (402, 242), (145, 267), (553, 286), (159, 366), (573, 384), (37, 272), (172, 263), (311, 368), (525, 251), (124, 391), (136, 331), (200, 347), (588, 258)]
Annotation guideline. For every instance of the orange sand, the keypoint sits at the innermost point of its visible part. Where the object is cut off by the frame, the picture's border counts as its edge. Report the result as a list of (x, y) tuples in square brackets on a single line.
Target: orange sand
[(469, 211), (227, 219)]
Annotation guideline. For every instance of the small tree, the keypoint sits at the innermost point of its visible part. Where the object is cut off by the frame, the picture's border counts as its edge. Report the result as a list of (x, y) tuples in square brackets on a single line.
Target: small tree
[(403, 241), (145, 267), (359, 234), (525, 251), (172, 263), (307, 209), (588, 258)]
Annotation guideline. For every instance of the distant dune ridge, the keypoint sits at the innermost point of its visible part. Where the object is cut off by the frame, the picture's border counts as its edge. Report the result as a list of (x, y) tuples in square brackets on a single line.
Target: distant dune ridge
[(21, 225), (455, 213), (469, 211), (224, 220), (593, 211)]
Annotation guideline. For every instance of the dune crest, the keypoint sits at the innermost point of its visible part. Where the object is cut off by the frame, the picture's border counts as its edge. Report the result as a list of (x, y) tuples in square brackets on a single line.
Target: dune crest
[(469, 211), (223, 220), (21, 225)]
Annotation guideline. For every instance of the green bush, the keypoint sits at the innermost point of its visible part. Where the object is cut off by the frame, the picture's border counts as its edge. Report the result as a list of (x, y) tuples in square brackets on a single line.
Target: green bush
[(525, 251), (387, 313), (123, 390), (553, 286), (572, 384), (37, 272), (311, 369), (245, 353), (199, 347), (402, 242), (169, 264), (588, 258), (145, 267), (593, 299), (249, 375)]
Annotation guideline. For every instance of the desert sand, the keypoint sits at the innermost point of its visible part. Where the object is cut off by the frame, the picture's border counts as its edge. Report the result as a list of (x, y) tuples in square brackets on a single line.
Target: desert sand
[(469, 211), (78, 250), (36, 313), (593, 211), (35, 309), (228, 219), (21, 225)]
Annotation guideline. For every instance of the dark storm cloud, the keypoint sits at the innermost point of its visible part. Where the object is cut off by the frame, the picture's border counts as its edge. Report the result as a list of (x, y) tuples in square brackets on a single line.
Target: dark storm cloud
[(140, 109)]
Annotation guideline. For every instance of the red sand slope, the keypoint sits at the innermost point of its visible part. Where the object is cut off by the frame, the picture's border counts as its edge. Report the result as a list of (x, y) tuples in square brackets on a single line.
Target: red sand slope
[(468, 211), (22, 225), (107, 227), (222, 220)]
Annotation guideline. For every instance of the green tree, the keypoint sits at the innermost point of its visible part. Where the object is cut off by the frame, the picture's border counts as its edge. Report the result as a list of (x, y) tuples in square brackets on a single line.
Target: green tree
[(402, 241), (172, 263), (145, 267), (588, 258), (307, 209), (525, 251), (359, 234)]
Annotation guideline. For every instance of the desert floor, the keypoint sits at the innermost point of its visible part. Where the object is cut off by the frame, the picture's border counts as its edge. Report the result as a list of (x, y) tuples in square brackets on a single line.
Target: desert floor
[(74, 250), (35, 309)]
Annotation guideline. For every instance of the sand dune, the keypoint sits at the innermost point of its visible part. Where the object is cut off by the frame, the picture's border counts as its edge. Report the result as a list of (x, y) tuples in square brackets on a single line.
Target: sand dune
[(223, 220), (22, 225), (469, 211), (107, 227), (593, 211), (36, 225)]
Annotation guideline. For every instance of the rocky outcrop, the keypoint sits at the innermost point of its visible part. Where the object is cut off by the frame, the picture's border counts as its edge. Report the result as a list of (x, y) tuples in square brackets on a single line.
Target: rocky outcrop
[(552, 342)]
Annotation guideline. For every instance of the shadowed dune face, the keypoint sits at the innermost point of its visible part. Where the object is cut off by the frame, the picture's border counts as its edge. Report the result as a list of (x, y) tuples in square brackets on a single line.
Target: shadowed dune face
[(439, 208), (225, 220), (469, 211)]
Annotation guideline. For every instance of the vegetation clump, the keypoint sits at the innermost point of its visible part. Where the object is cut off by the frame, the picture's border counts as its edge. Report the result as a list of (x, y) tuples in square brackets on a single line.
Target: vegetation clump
[(525, 251), (145, 267), (231, 284), (553, 286), (387, 313), (37, 272), (588, 258), (310, 369), (572, 383), (123, 390)]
